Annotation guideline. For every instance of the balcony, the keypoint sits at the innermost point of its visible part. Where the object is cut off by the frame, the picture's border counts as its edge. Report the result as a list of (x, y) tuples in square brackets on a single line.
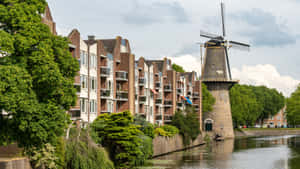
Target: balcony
[(158, 101), (168, 119), (122, 96), (121, 76), (179, 90), (168, 88), (158, 117), (157, 85), (105, 93), (196, 106), (106, 112), (196, 95), (104, 71), (142, 99), (75, 114), (179, 104), (168, 103), (142, 81)]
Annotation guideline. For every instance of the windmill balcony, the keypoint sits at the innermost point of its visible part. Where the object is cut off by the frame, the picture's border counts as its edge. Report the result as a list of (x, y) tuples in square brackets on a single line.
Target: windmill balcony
[(142, 99), (121, 76), (104, 71), (142, 81), (105, 93), (158, 101), (157, 85), (122, 96), (168, 103), (168, 88)]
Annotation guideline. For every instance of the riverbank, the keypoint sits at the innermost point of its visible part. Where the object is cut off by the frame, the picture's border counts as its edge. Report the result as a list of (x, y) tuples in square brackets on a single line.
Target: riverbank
[(259, 132)]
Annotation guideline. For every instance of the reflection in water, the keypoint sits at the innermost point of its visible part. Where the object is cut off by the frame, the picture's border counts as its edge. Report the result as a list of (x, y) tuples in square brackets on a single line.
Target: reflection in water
[(251, 153)]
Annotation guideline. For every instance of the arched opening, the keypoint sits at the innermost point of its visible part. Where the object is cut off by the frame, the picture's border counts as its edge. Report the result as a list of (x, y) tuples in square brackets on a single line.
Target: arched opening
[(208, 125)]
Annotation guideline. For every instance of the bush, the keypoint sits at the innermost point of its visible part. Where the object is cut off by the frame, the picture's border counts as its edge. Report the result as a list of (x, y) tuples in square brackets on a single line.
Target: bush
[(166, 131), (122, 138)]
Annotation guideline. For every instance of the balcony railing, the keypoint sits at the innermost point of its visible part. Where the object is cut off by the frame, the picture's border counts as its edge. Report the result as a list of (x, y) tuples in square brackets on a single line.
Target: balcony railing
[(105, 93), (158, 117), (179, 90), (196, 95), (168, 103), (142, 81), (168, 118), (122, 96), (142, 99), (179, 104), (158, 101), (168, 88), (104, 71), (75, 114), (157, 85), (121, 76)]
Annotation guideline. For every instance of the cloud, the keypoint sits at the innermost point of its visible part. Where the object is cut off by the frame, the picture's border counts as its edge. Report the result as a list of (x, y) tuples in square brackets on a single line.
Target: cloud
[(188, 62), (156, 12), (266, 75), (263, 28)]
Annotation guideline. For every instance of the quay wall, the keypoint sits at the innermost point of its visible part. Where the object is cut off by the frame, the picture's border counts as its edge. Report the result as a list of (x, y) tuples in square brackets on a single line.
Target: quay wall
[(266, 132), (166, 145), (17, 163)]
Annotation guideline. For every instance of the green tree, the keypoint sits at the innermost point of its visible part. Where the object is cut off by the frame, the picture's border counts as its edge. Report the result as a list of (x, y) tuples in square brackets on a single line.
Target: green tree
[(244, 106), (188, 124), (178, 68), (207, 99), (293, 108), (36, 76), (127, 145)]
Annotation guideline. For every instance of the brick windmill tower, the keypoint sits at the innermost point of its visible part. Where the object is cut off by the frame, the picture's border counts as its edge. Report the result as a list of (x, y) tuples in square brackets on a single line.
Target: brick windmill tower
[(216, 74)]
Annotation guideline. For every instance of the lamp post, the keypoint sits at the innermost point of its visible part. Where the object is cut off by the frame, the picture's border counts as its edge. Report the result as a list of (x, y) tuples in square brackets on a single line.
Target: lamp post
[(90, 41)]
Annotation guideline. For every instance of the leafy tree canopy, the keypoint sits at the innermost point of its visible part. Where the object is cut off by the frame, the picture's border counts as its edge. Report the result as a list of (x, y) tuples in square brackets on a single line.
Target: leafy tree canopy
[(293, 108), (207, 99), (178, 68), (36, 76)]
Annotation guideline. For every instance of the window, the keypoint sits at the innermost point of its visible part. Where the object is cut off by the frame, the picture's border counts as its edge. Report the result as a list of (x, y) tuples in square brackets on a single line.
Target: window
[(83, 57), (93, 83), (83, 81), (93, 58), (82, 105)]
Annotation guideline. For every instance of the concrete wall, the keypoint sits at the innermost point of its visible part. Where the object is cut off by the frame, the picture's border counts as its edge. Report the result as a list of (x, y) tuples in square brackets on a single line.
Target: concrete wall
[(21, 163), (266, 132), (165, 145)]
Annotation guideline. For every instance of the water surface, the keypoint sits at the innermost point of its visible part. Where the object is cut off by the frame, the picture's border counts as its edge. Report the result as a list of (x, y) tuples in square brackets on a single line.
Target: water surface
[(280, 152)]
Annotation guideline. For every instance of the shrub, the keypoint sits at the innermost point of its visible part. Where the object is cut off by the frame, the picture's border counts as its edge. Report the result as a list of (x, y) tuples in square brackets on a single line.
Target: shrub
[(146, 127), (121, 137), (166, 131)]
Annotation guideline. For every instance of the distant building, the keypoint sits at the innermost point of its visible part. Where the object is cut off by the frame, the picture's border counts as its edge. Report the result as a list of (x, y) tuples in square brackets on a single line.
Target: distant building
[(277, 121)]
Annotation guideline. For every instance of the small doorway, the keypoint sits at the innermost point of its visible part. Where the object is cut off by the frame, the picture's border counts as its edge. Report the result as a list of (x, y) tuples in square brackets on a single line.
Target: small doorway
[(208, 125)]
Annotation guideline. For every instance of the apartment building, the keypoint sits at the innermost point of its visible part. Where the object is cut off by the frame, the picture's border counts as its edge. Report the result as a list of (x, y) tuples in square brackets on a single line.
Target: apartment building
[(105, 82), (87, 79), (117, 76), (160, 91), (48, 20)]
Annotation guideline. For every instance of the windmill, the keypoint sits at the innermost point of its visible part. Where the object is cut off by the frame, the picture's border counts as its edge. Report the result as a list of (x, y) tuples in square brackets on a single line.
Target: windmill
[(216, 74), (223, 42)]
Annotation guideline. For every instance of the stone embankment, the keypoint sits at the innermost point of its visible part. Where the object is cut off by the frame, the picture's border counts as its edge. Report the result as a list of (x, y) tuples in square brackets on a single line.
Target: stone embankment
[(265, 132), (166, 145)]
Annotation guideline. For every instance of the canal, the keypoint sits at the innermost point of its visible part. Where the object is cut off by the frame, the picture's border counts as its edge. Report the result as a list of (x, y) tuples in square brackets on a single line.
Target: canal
[(280, 152)]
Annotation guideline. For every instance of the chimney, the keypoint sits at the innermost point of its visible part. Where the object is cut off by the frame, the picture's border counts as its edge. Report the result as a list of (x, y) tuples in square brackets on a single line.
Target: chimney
[(91, 37)]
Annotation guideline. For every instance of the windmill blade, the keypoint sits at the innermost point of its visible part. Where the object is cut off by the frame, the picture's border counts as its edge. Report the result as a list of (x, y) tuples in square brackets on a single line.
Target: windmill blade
[(210, 35), (239, 45), (227, 61), (223, 18)]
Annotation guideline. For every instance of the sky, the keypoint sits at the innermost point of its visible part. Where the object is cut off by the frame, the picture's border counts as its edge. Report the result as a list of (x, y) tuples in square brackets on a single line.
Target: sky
[(171, 28)]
